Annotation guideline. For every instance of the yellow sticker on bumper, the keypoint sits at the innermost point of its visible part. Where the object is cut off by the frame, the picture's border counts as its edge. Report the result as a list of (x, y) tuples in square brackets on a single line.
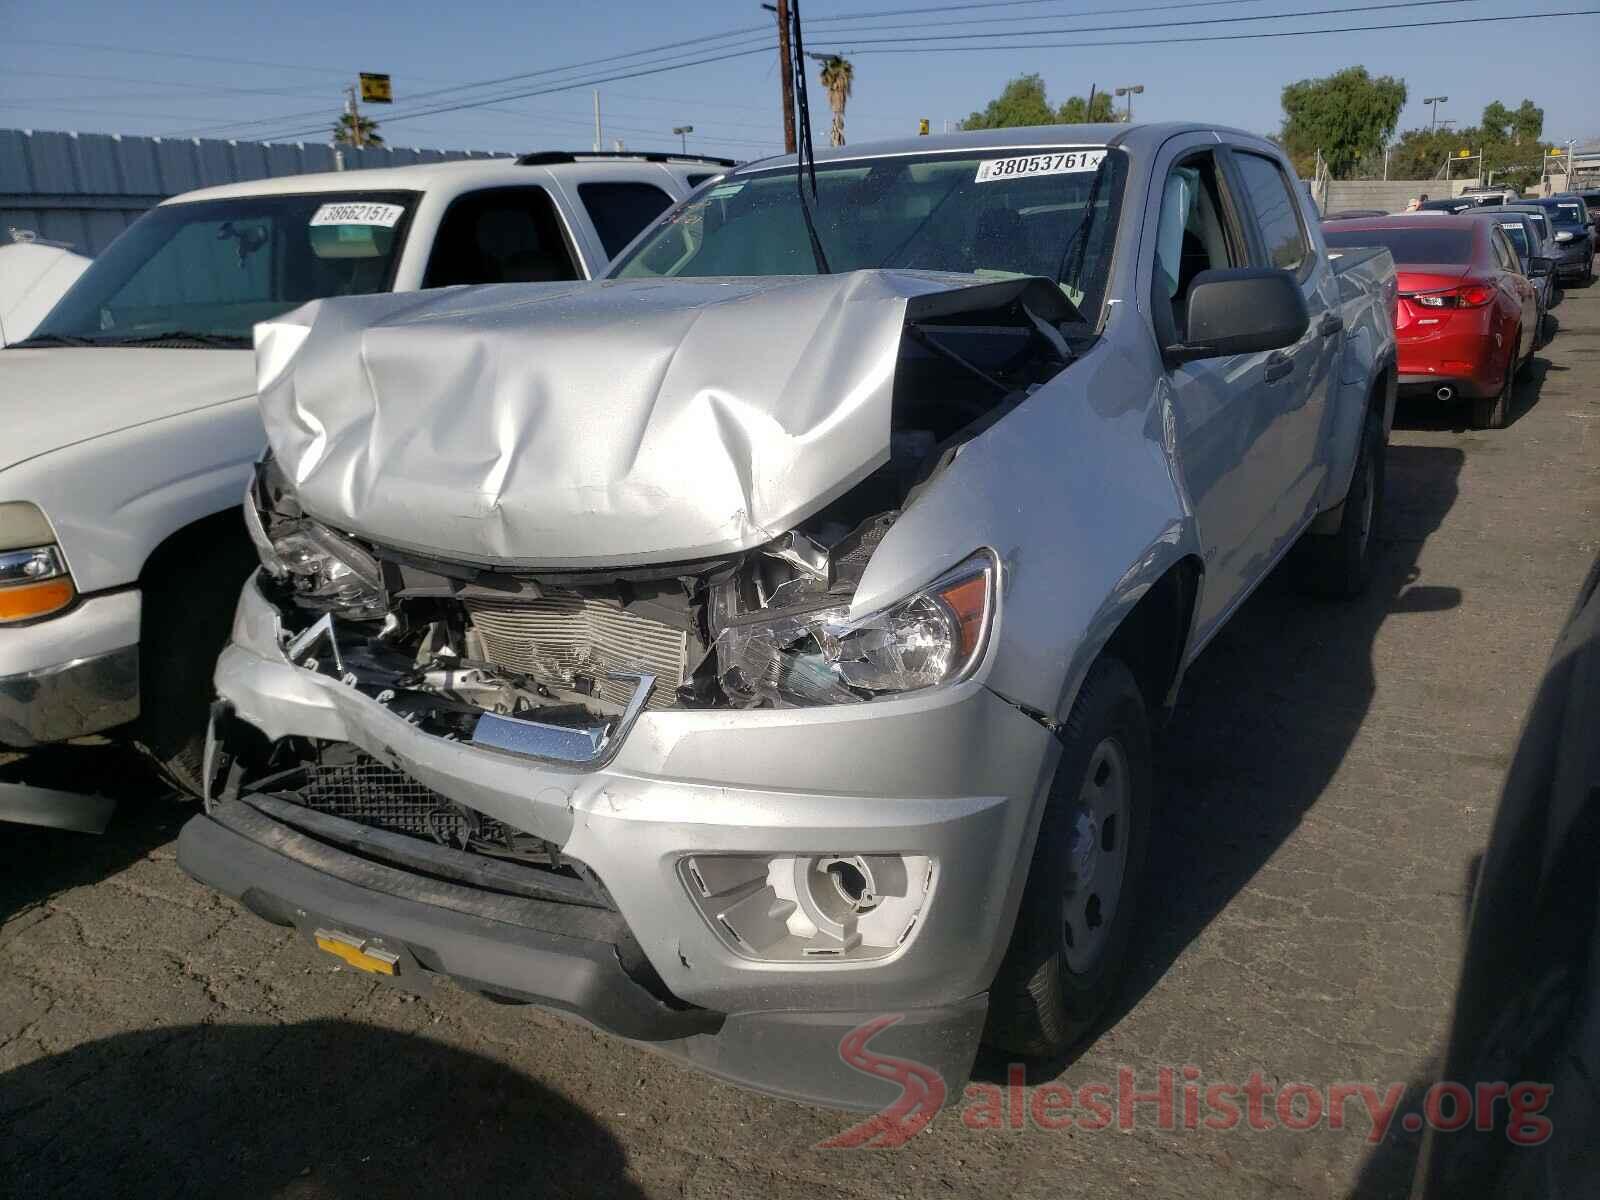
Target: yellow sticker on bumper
[(357, 952)]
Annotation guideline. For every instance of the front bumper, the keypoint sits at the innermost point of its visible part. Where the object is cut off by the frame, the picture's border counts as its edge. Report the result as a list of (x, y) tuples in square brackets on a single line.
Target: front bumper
[(1575, 259), (67, 676), (957, 775), (556, 956)]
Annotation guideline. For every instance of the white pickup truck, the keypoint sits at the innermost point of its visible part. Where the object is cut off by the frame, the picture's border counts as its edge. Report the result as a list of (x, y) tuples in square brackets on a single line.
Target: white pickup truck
[(131, 423)]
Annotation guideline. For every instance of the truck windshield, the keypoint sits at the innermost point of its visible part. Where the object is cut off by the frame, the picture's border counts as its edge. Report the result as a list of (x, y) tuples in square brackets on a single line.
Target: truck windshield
[(995, 213), (1566, 214), (202, 273)]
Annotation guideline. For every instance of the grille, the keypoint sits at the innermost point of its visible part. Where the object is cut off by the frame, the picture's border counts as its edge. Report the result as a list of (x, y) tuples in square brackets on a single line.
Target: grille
[(369, 793), (562, 637)]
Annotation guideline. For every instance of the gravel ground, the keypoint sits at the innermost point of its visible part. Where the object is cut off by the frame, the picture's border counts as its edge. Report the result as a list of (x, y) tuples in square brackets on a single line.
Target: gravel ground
[(1330, 777)]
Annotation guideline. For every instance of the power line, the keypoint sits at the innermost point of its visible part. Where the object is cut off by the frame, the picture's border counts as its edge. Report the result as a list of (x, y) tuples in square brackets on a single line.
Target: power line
[(1313, 12), (485, 100), (545, 91), (993, 20), (1224, 37)]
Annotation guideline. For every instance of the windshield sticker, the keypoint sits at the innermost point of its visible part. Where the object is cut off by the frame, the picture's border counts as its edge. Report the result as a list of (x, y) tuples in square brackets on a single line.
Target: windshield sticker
[(361, 213), (1067, 163), (723, 190)]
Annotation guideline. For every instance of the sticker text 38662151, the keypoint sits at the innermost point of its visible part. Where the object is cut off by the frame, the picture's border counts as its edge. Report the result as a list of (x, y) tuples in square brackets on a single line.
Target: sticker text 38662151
[(1059, 162)]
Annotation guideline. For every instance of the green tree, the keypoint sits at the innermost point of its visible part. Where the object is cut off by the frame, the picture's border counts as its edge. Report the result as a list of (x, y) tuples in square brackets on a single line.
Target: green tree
[(1021, 103), (1525, 123), (344, 131), (1344, 115), (1507, 138), (1078, 111), (836, 76)]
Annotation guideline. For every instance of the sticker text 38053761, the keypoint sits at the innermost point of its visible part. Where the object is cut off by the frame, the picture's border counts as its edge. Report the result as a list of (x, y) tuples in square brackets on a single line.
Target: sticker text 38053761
[(1061, 162)]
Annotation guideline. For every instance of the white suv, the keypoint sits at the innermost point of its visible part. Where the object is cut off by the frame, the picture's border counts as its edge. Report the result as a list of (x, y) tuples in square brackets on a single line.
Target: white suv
[(131, 421)]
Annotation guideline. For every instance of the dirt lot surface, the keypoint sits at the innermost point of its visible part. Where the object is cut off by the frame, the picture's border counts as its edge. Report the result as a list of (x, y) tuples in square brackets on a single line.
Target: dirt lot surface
[(1330, 776)]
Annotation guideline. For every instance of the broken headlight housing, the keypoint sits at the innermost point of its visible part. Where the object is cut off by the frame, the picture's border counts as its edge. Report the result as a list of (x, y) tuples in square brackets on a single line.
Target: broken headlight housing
[(820, 655), (327, 571)]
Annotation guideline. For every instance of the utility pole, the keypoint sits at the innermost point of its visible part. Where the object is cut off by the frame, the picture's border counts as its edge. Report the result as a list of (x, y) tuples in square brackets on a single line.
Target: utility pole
[(785, 71), (598, 142), (683, 132), (1435, 101), (354, 114)]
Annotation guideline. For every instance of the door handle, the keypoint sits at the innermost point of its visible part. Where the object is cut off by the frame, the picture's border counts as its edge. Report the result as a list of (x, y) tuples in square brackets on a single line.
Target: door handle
[(1331, 324), (1279, 365)]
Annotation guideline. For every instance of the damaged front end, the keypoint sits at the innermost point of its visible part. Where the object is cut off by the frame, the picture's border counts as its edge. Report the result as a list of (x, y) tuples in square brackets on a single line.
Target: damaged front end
[(558, 664)]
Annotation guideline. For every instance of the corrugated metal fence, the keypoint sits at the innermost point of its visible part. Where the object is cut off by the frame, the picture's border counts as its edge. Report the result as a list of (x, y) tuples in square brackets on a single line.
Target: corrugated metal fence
[(85, 188)]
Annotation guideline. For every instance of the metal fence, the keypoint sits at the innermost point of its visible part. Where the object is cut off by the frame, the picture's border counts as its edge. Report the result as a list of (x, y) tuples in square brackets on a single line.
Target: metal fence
[(86, 188)]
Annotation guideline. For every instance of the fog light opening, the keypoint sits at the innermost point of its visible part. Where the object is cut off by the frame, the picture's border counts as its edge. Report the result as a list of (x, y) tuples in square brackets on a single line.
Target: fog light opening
[(854, 885)]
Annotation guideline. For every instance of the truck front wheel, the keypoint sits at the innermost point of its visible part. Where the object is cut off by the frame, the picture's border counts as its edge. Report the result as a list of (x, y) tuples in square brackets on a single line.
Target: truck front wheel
[(1066, 956), (187, 611)]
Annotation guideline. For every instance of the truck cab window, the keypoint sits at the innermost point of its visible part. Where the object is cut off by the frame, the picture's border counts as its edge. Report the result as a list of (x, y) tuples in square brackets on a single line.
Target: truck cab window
[(620, 210), (501, 235), (1192, 236), (1276, 210)]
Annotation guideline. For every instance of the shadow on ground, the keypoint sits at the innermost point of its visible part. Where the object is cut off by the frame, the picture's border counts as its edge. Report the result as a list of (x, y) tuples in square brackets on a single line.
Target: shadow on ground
[(312, 1111), (1266, 715), (37, 863)]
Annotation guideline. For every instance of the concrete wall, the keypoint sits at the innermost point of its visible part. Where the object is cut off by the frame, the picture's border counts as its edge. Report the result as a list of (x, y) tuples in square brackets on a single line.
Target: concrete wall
[(1388, 194), (85, 188)]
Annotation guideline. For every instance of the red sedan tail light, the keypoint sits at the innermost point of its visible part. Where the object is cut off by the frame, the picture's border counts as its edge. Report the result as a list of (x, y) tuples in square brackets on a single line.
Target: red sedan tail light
[(1472, 295)]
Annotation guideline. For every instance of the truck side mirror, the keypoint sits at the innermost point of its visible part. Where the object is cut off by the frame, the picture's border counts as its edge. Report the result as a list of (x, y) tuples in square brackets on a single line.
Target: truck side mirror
[(1241, 310), (1539, 265)]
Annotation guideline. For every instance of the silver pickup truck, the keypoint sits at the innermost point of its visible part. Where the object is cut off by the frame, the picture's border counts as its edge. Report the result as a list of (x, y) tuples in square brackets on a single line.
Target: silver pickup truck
[(756, 652)]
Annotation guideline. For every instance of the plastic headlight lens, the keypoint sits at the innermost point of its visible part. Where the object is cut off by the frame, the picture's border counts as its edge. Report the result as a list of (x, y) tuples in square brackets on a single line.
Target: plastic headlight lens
[(326, 570), (34, 580), (330, 571), (823, 657)]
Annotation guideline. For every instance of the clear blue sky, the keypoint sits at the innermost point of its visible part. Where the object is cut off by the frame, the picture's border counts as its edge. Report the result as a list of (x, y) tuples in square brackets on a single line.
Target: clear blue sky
[(122, 74)]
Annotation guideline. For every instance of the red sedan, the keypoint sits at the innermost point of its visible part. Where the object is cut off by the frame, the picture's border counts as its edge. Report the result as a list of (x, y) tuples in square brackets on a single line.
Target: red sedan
[(1467, 317)]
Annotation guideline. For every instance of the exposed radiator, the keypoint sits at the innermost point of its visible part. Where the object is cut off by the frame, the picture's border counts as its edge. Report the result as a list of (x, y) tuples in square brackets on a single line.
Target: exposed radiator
[(563, 637)]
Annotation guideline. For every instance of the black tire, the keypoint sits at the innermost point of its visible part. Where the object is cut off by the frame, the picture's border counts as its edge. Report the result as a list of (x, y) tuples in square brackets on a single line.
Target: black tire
[(1048, 993), (1338, 565), (187, 612), (1494, 412)]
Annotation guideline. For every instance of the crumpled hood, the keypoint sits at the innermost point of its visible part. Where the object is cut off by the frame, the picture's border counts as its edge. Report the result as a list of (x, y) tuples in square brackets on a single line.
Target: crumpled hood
[(564, 426), (57, 397)]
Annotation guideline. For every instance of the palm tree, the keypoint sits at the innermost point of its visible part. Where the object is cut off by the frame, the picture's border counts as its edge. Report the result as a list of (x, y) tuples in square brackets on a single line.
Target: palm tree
[(837, 74), (344, 131)]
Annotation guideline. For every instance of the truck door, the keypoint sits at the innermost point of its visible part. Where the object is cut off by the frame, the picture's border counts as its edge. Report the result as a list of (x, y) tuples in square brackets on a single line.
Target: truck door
[(1217, 403), (1298, 379)]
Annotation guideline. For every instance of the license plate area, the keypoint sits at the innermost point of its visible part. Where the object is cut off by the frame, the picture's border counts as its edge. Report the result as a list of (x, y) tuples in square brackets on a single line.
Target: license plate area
[(370, 955)]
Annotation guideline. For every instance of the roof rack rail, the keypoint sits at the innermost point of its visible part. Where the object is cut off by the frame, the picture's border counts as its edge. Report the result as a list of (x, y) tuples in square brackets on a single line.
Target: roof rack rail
[(546, 158)]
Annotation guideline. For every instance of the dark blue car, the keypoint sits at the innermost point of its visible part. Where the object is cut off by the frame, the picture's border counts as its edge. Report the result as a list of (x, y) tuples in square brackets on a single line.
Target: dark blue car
[(1574, 236)]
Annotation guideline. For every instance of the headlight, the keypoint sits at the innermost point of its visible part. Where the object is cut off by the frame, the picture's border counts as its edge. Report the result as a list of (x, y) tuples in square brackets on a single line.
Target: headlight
[(327, 571), (821, 656), (34, 581)]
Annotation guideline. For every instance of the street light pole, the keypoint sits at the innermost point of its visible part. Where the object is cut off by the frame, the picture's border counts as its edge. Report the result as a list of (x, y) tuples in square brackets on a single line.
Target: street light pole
[(1435, 101), (1130, 91), (683, 132)]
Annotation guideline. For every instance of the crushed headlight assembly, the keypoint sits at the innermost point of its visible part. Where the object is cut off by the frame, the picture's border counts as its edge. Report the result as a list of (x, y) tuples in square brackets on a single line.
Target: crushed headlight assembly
[(328, 572), (34, 580), (819, 655)]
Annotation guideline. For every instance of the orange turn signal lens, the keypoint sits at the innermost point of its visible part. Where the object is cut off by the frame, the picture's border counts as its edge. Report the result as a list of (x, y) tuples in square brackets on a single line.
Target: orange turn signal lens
[(23, 601), (969, 600)]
